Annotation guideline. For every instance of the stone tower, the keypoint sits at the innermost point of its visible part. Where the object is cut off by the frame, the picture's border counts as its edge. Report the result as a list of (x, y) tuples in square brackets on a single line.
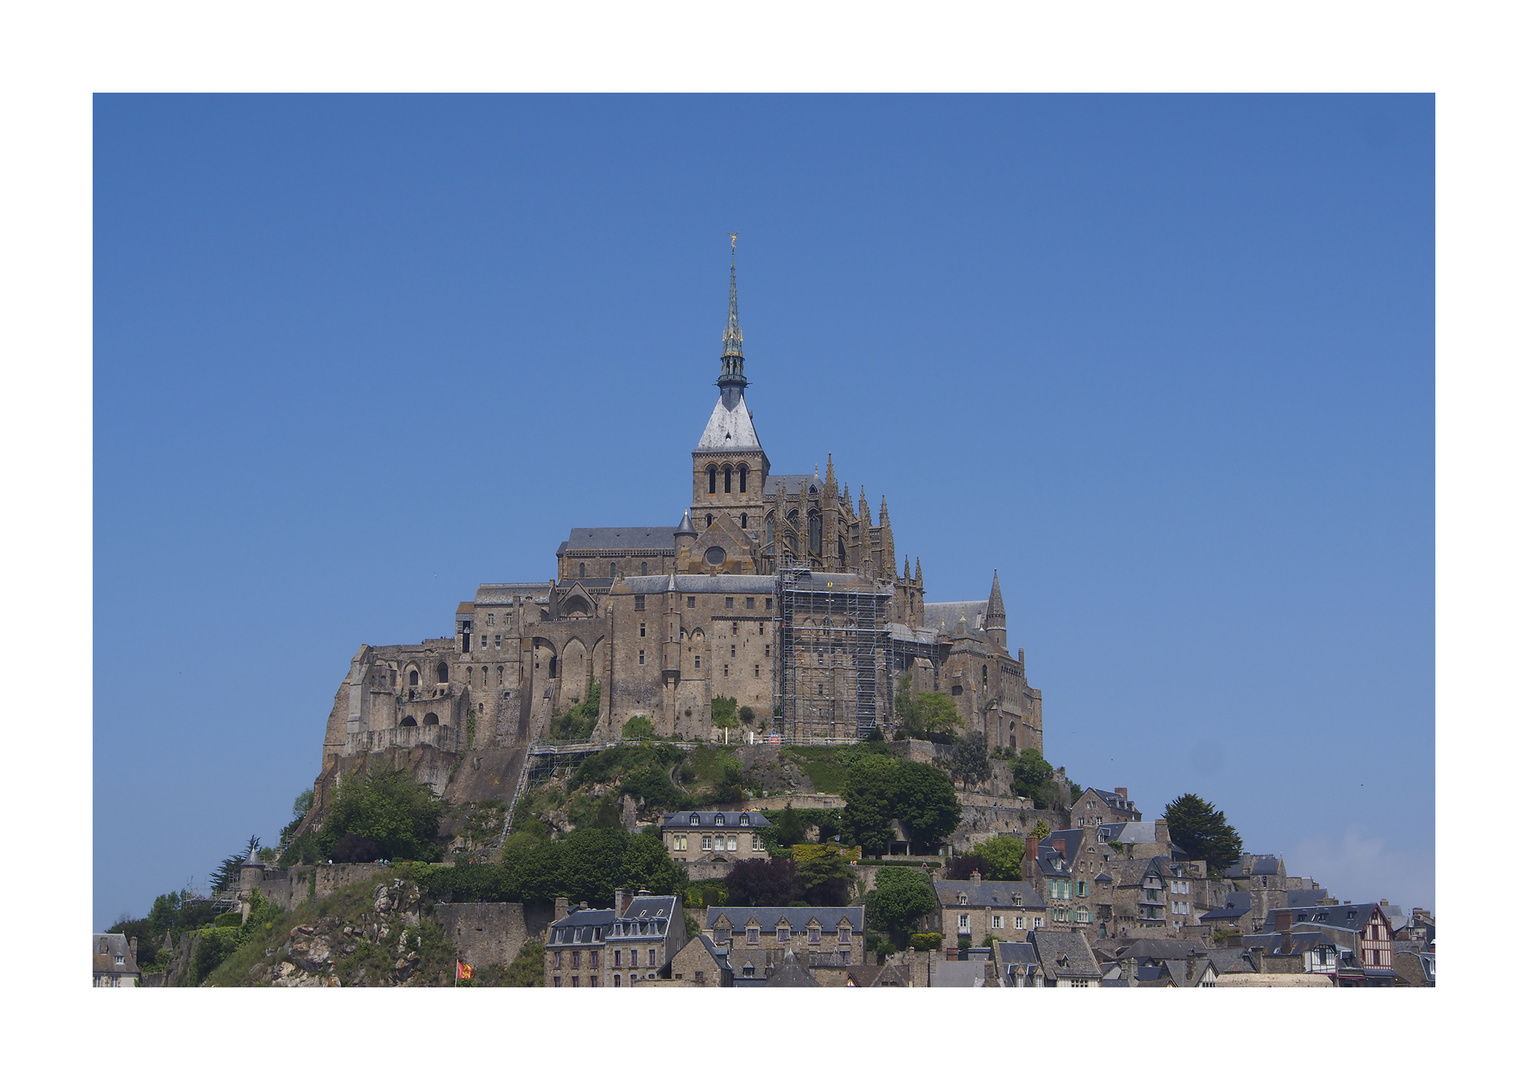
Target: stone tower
[(729, 466)]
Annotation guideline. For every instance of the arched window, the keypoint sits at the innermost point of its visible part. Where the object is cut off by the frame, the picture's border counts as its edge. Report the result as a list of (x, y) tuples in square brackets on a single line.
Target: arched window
[(501, 674), (430, 718), (443, 673), (612, 571), (769, 529), (814, 534), (485, 675), (742, 478), (843, 556), (580, 569), (745, 521), (727, 479), (711, 475), (409, 721), (413, 677), (708, 521), (644, 569)]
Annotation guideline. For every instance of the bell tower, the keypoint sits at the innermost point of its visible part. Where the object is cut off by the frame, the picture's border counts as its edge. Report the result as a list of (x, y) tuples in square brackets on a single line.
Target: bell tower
[(729, 466)]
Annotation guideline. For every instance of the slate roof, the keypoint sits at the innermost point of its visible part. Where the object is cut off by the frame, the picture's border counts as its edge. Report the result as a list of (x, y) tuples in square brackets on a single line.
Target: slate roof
[(791, 972), (579, 927), (105, 963), (737, 584), (1253, 865), (769, 917), (879, 975), (731, 819), (1299, 943), (653, 538), (1015, 961), (1071, 841), (1159, 949), (958, 973), (981, 894), (729, 429), (1337, 916), (1128, 832), (1064, 954), (589, 925), (1237, 905), (508, 592), (945, 614), (1299, 898)]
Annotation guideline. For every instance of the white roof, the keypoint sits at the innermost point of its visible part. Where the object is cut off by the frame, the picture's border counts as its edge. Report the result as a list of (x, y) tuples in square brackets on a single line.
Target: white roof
[(729, 429)]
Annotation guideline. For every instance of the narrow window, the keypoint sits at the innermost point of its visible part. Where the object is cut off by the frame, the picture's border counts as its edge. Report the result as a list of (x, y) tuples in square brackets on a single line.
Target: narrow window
[(501, 674), (490, 618), (742, 485), (843, 935), (708, 521), (756, 671), (745, 521), (727, 479), (766, 652), (641, 604), (782, 935), (413, 677), (697, 660), (769, 602), (734, 651), (711, 475), (644, 569), (580, 569), (689, 601), (641, 630), (725, 671), (498, 641), (652, 957), (612, 571), (641, 657), (442, 673)]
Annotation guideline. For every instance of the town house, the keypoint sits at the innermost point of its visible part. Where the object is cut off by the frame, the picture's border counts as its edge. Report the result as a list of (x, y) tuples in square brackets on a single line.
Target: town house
[(1004, 910)]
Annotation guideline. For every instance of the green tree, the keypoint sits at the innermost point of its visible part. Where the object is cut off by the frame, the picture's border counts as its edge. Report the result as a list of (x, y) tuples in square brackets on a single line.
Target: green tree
[(970, 763), (923, 715), (647, 865), (1031, 773), (925, 802), (724, 714), (527, 968), (900, 898), (745, 714), (870, 792), (389, 807), (789, 828), (1201, 830), (578, 722), (825, 879), (592, 865), (638, 727), (1004, 855)]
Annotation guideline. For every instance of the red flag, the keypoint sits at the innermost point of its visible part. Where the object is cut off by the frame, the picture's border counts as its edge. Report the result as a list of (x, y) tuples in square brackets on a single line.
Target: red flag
[(463, 971)]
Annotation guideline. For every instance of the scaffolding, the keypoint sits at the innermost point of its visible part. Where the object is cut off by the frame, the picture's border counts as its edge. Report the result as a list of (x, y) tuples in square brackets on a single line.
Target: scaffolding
[(834, 651)]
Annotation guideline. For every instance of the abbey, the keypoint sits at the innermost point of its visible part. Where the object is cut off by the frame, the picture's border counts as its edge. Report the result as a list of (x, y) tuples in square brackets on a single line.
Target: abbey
[(779, 590)]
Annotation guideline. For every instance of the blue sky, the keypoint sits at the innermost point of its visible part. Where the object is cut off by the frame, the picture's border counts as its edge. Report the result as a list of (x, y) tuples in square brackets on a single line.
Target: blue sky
[(1165, 362)]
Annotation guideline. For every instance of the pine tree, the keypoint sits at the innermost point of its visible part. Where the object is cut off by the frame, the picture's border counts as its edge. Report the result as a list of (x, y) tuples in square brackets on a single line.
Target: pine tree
[(1201, 830)]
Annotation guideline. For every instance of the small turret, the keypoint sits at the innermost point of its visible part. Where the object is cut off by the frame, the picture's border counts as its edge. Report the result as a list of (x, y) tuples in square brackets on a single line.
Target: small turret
[(685, 527), (996, 622)]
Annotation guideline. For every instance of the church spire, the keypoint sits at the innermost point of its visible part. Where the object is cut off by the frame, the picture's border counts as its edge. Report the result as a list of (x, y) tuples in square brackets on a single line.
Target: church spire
[(732, 380), (996, 619)]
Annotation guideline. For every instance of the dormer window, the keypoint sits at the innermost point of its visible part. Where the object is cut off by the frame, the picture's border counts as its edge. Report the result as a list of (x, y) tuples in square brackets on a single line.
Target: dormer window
[(814, 935), (694, 819), (782, 935), (743, 820), (718, 820), (962, 899)]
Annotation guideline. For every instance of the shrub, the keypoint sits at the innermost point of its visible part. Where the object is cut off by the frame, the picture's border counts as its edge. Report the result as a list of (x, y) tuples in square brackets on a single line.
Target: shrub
[(924, 942), (354, 848), (638, 727)]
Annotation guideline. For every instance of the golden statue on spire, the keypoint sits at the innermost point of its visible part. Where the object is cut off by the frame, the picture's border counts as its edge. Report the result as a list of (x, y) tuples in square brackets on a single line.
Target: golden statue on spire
[(734, 240)]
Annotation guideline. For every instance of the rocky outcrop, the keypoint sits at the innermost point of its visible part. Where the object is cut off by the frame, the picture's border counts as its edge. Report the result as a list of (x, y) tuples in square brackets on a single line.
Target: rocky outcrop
[(324, 952)]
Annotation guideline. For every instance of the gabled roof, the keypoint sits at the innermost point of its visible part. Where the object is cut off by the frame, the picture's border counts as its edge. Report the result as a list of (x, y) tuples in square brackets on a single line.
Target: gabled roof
[(1237, 905), (731, 819), (946, 614), (1064, 954), (797, 917), (104, 951), (1127, 832), (791, 972), (1253, 865), (620, 538), (793, 483), (728, 429), (958, 973), (981, 894)]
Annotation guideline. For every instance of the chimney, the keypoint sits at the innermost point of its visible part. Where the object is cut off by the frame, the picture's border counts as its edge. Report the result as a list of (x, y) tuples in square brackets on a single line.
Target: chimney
[(952, 953), (132, 947), (1384, 903), (622, 901), (560, 908), (1193, 964), (1283, 919), (1164, 837), (1032, 847), (1123, 793), (1257, 958), (976, 877), (1058, 844)]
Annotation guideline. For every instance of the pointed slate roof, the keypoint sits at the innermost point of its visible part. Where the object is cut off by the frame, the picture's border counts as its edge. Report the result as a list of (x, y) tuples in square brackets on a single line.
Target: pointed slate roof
[(729, 429), (995, 612)]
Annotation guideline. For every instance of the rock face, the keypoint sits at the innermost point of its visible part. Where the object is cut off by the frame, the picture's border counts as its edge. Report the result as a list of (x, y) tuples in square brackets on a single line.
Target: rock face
[(318, 953)]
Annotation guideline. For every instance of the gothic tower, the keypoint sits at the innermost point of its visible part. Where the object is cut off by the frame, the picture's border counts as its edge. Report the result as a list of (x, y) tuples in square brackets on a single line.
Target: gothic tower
[(728, 465)]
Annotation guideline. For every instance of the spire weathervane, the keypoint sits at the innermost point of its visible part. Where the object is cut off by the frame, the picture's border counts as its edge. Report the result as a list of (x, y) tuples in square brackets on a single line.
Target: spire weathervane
[(734, 240)]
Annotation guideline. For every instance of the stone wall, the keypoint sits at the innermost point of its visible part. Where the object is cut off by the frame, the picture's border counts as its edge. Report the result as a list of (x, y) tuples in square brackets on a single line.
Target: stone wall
[(484, 934)]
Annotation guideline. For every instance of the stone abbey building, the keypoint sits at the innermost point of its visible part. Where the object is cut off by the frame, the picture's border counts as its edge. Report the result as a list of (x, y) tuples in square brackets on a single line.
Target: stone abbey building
[(780, 590)]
